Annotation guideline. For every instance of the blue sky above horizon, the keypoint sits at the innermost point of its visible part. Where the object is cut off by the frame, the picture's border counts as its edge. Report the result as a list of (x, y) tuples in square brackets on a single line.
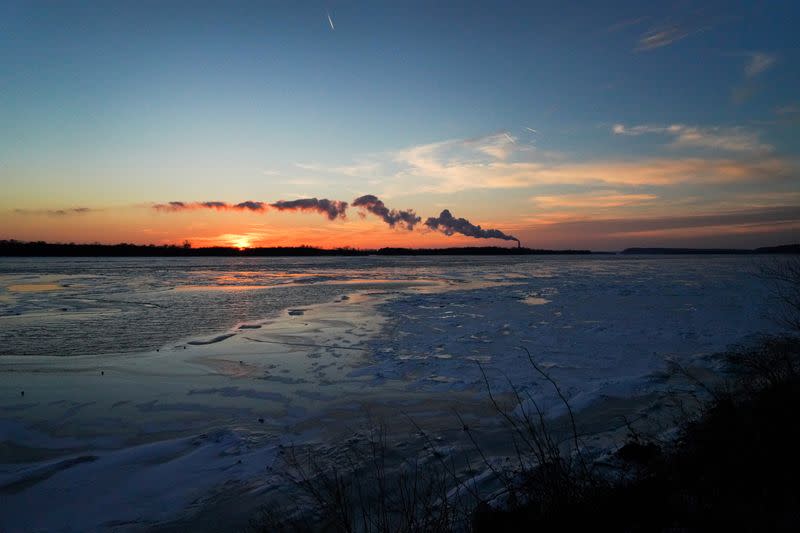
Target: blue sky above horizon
[(644, 118)]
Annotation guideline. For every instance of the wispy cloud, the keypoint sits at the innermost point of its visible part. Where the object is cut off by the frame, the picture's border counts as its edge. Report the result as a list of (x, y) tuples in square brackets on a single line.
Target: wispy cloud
[(661, 36), (665, 172), (621, 129), (493, 162), (736, 221), (498, 146), (592, 200), (627, 23), (757, 63), (790, 109), (665, 229), (728, 139), (359, 168), (300, 182), (682, 24), (452, 166), (777, 214)]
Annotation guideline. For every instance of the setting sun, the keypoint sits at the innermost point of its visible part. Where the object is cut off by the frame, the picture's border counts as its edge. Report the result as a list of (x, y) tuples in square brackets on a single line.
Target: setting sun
[(240, 241)]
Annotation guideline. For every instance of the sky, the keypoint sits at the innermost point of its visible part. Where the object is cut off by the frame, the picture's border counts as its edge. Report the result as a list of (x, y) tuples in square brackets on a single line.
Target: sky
[(602, 125)]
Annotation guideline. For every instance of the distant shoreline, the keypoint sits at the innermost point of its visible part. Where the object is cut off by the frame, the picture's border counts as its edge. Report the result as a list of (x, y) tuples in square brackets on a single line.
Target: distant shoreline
[(12, 248), (43, 249), (783, 249)]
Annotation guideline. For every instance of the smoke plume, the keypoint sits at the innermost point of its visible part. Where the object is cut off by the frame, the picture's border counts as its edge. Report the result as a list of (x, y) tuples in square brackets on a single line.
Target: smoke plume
[(250, 206), (393, 217), (448, 224), (55, 212), (219, 206), (214, 205), (333, 209), (330, 208), (171, 206)]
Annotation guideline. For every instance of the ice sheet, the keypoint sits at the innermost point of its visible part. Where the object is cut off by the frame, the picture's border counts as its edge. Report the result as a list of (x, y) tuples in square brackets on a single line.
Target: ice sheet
[(123, 441)]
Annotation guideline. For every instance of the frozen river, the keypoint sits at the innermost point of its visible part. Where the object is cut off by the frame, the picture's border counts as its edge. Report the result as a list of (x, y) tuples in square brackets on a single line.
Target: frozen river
[(136, 392)]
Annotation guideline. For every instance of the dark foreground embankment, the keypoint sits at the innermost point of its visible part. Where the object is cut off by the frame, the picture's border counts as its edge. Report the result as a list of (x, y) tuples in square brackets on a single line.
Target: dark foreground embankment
[(734, 468)]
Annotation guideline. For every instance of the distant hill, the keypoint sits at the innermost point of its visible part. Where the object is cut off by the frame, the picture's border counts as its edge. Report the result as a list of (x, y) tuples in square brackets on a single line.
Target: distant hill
[(12, 248), (784, 249)]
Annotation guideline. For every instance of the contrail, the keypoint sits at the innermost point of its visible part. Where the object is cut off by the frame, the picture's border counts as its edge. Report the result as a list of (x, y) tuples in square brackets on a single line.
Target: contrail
[(531, 130), (330, 21), (448, 224), (331, 208), (510, 138), (393, 217)]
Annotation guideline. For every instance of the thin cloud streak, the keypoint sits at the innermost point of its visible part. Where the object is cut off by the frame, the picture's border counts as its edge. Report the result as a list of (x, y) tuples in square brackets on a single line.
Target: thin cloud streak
[(660, 37), (773, 215), (730, 139), (731, 227), (757, 63), (593, 200), (790, 109), (627, 23), (678, 27), (492, 162), (447, 174)]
